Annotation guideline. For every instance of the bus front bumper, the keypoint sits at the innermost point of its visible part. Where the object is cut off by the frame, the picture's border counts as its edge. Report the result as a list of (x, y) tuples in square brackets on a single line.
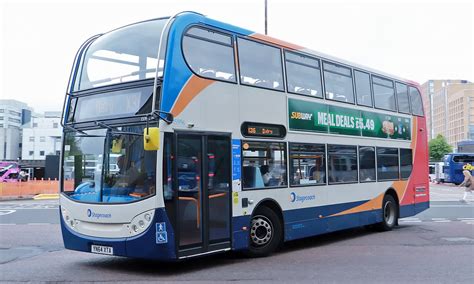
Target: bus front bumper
[(148, 245)]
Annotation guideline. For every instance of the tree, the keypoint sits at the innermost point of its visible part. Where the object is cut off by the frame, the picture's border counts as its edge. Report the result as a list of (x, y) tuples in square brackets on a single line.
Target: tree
[(439, 147)]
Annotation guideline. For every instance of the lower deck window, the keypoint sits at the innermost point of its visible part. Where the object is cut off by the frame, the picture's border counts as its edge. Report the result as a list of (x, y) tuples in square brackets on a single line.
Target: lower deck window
[(307, 164), (366, 163), (342, 164), (406, 164), (387, 163), (264, 164)]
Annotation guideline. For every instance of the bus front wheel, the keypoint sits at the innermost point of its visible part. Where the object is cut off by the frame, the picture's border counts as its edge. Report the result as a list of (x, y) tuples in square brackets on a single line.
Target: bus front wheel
[(389, 214), (265, 232)]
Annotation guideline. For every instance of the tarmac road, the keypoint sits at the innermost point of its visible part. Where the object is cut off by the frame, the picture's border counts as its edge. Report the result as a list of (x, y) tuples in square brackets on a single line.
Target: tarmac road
[(436, 246)]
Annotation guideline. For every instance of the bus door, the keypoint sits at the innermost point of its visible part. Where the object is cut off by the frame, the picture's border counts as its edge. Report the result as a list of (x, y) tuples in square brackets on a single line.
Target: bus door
[(203, 189)]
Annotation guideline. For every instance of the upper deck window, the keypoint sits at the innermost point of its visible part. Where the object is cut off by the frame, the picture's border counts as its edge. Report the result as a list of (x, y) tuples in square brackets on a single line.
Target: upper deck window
[(384, 94), (362, 82), (338, 83), (416, 102), (260, 65), (303, 75), (209, 54), (402, 98), (122, 55)]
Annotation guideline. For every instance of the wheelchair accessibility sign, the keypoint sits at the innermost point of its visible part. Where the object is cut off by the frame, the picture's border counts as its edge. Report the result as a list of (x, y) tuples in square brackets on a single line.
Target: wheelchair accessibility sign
[(161, 234)]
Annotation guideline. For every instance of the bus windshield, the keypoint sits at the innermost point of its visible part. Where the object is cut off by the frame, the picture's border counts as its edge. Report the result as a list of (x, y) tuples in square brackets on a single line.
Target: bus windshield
[(122, 55), (103, 167)]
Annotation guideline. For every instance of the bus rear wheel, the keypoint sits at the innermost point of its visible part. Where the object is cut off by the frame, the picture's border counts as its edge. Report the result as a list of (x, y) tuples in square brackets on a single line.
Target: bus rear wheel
[(265, 233), (389, 214)]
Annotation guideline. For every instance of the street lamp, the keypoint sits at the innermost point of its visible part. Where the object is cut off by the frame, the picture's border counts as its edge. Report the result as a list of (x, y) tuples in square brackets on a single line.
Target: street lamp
[(266, 30)]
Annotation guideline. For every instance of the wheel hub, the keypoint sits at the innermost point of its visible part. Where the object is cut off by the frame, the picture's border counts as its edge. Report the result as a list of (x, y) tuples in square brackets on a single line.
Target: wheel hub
[(261, 231), (389, 213)]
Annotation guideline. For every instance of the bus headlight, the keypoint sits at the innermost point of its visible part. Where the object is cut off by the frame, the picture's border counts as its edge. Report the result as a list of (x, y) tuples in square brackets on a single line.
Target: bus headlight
[(68, 219), (141, 222), (147, 217)]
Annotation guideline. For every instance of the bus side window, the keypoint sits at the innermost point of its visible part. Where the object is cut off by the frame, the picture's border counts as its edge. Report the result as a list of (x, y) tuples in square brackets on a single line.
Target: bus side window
[(338, 83), (387, 164), (416, 103), (209, 54), (402, 98), (307, 164), (362, 83), (366, 163), (264, 164), (384, 94), (260, 65), (303, 75), (342, 163), (406, 163)]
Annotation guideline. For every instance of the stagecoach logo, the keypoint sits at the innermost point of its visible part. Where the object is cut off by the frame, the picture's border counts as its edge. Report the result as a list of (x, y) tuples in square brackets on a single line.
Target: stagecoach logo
[(92, 214), (301, 198)]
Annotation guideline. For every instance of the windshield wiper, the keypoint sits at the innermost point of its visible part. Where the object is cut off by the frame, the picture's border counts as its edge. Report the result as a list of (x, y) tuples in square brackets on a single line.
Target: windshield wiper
[(74, 129), (112, 130)]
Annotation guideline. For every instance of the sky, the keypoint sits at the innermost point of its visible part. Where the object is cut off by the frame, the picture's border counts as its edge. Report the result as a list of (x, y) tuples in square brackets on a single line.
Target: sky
[(417, 40)]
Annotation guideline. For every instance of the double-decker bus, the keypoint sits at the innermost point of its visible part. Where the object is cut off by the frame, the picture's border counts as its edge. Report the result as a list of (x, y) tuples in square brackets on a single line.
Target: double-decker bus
[(231, 140), (455, 164)]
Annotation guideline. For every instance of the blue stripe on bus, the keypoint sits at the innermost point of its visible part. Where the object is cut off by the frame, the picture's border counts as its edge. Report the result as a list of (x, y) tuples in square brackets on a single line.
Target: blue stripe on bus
[(177, 72), (301, 223), (240, 237), (413, 209)]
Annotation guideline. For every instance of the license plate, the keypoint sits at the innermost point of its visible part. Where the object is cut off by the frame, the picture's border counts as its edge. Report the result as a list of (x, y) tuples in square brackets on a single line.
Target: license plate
[(102, 249)]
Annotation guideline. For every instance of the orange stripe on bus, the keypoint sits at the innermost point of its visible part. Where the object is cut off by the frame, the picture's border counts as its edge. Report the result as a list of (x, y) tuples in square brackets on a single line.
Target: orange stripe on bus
[(192, 88), (372, 204), (276, 41)]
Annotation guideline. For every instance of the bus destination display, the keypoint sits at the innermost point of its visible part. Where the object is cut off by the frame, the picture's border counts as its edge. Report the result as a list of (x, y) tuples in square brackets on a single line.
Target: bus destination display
[(263, 130)]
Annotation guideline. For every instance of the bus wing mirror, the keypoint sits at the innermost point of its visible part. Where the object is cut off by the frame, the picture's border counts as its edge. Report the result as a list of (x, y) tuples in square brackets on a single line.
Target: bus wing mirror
[(151, 138)]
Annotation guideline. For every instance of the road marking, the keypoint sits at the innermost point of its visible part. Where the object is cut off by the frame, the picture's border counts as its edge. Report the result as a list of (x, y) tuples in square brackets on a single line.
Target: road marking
[(465, 219), (440, 220), (465, 206), (458, 239), (6, 212), (28, 208)]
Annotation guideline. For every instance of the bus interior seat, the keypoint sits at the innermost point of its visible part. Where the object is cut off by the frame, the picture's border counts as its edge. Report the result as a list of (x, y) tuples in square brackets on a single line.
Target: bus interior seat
[(207, 73), (263, 83), (252, 177), (322, 175)]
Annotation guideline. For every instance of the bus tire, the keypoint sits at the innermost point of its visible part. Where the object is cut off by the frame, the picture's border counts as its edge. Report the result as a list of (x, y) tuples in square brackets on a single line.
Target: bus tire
[(389, 214), (265, 234)]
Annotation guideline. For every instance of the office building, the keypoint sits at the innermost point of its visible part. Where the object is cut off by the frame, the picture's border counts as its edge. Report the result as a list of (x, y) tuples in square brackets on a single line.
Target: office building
[(43, 137), (14, 115), (449, 107)]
